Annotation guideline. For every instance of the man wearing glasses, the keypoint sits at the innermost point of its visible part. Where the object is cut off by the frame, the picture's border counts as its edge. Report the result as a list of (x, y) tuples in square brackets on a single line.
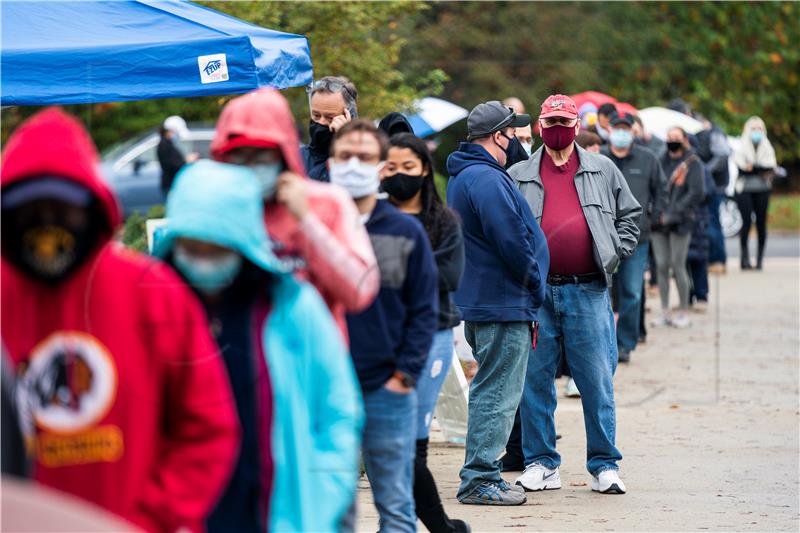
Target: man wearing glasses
[(502, 289), (332, 100), (589, 216)]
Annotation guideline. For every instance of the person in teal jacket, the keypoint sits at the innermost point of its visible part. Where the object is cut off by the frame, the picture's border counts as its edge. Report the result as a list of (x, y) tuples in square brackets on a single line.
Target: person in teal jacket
[(296, 392)]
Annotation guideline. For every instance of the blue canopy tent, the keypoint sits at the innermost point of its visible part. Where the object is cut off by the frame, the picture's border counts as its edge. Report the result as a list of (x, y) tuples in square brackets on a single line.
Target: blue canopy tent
[(56, 52)]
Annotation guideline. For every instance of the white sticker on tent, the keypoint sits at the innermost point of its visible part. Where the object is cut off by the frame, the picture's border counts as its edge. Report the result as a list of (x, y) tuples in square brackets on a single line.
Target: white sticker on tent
[(436, 368), (213, 68)]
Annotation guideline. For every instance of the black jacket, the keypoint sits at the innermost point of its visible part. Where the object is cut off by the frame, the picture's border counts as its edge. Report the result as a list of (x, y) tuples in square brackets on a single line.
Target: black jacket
[(682, 200), (646, 180), (449, 257), (171, 161), (712, 148), (316, 163), (700, 244)]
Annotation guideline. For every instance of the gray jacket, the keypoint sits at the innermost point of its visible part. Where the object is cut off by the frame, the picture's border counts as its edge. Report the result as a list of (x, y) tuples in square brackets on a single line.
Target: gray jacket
[(610, 209), (646, 180)]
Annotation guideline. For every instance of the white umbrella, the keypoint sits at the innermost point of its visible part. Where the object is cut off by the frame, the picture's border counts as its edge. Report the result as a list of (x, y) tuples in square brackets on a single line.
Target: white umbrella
[(434, 115), (658, 120)]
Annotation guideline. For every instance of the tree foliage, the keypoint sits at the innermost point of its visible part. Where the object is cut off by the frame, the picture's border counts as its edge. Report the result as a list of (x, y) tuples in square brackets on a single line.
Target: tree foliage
[(729, 60)]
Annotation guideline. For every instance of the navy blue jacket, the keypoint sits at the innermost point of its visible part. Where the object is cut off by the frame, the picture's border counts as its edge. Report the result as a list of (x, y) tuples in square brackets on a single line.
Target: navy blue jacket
[(396, 331), (506, 252), (316, 163)]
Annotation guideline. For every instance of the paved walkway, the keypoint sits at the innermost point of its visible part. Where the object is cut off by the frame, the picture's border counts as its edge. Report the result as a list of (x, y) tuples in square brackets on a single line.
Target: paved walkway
[(691, 462)]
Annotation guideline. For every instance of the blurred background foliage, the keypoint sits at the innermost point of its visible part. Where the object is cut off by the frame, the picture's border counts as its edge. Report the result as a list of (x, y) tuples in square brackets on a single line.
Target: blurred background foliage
[(728, 60)]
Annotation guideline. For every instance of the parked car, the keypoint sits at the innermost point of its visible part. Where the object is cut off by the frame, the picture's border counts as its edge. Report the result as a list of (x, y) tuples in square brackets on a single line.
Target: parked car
[(132, 169)]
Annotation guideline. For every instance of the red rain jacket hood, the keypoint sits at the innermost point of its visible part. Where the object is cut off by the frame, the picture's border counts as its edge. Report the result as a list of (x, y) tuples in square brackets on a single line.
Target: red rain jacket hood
[(263, 115), (53, 143), (122, 394)]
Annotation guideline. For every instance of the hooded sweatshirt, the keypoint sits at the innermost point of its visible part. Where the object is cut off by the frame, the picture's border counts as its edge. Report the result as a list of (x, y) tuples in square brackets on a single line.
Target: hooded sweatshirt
[(506, 252), (330, 247), (315, 417), (395, 123), (123, 394)]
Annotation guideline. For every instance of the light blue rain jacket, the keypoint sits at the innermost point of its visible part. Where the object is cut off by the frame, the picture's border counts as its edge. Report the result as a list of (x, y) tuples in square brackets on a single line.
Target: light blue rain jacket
[(318, 411)]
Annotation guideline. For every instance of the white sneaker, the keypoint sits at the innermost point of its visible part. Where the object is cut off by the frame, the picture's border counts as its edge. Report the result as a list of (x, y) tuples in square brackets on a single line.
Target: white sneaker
[(681, 321), (571, 390), (608, 482), (537, 477), (663, 321)]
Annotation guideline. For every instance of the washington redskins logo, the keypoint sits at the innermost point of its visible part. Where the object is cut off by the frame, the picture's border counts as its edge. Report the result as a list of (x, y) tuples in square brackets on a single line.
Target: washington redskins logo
[(68, 384)]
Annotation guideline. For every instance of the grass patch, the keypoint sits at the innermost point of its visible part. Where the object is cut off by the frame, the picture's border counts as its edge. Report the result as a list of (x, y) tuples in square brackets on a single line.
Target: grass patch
[(784, 212)]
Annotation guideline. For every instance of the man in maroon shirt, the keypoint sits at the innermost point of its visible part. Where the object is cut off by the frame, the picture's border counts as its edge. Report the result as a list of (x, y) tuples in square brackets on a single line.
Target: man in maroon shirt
[(588, 215)]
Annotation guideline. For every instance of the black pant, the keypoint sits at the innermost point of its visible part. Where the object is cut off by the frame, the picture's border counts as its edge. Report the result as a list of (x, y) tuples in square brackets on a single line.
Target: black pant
[(698, 270), (750, 203), (426, 497)]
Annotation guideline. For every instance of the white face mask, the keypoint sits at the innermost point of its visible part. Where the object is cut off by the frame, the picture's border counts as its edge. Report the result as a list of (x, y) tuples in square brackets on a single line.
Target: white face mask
[(268, 176), (207, 275), (357, 178), (527, 147)]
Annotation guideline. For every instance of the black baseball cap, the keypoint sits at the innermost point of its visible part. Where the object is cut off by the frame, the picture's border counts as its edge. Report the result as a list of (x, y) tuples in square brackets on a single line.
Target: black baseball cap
[(493, 116), (621, 118)]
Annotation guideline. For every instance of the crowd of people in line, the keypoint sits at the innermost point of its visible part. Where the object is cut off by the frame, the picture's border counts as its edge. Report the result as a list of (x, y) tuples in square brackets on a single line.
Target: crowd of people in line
[(296, 317)]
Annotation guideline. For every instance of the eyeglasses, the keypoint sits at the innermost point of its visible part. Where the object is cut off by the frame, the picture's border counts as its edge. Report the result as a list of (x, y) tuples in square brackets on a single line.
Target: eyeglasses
[(562, 121), (508, 120)]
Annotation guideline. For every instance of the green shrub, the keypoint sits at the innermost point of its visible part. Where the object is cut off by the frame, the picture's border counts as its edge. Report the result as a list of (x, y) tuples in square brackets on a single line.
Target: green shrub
[(134, 234)]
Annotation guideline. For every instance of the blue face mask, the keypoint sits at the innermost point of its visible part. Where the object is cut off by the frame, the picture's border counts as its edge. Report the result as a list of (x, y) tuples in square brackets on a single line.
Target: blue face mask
[(268, 176), (621, 138), (756, 136), (209, 276)]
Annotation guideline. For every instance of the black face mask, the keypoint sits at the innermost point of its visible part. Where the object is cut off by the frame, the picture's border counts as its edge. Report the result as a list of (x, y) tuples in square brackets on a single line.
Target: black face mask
[(674, 146), (48, 250), (320, 137), (402, 187)]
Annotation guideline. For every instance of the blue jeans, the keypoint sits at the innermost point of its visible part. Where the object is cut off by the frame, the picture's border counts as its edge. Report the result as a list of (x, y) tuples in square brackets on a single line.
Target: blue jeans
[(716, 251), (389, 447), (579, 318), (630, 278), (430, 381), (501, 349)]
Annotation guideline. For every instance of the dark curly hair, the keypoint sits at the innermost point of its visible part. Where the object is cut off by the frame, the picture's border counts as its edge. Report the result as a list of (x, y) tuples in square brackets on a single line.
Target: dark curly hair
[(437, 219)]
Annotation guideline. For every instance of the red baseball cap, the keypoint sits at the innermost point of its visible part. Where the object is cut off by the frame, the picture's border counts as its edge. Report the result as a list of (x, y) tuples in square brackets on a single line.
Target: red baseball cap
[(558, 105)]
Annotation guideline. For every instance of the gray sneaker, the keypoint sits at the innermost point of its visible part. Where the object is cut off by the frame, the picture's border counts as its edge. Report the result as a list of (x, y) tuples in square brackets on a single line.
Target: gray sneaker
[(494, 493), (508, 486)]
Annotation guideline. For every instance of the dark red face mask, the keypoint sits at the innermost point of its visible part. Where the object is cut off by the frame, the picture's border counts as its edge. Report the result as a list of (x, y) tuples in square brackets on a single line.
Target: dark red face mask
[(558, 137)]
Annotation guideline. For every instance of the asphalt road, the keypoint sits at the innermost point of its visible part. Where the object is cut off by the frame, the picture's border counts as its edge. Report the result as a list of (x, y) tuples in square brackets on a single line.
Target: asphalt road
[(778, 245), (707, 422)]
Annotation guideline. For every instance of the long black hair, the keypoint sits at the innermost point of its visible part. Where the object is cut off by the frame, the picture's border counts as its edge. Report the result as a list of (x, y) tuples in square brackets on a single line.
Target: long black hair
[(437, 219)]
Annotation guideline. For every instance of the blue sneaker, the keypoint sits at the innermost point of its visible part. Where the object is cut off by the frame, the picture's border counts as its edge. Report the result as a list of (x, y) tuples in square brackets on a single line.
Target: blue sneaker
[(494, 493)]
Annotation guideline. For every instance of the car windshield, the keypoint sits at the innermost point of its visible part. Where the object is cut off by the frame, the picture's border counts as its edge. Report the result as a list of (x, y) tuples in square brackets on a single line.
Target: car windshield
[(116, 150)]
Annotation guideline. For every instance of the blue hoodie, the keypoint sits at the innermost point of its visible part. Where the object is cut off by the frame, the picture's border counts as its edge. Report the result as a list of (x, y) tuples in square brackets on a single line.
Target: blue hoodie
[(506, 252), (316, 402), (396, 331)]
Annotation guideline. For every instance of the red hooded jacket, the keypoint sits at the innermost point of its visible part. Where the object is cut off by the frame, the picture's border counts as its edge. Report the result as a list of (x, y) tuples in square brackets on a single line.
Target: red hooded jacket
[(330, 247), (123, 395)]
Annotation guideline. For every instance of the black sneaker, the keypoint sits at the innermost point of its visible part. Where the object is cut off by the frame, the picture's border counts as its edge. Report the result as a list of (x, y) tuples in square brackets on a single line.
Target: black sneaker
[(624, 356)]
